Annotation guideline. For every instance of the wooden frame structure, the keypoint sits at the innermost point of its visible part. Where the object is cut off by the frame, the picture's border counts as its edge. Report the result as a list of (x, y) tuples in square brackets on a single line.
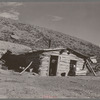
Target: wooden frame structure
[(64, 57)]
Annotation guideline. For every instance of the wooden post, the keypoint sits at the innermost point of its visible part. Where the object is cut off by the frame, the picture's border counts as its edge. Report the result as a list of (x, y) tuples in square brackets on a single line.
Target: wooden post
[(26, 68), (84, 65), (91, 68)]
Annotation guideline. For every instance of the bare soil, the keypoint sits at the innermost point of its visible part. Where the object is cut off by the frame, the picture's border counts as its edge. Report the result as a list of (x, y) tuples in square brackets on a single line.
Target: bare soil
[(14, 85)]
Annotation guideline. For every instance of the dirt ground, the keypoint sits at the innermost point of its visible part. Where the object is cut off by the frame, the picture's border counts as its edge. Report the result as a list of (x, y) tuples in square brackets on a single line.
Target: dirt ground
[(14, 85)]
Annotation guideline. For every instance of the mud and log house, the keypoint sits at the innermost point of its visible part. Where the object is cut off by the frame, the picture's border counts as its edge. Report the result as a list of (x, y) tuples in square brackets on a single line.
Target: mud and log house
[(52, 62), (61, 62)]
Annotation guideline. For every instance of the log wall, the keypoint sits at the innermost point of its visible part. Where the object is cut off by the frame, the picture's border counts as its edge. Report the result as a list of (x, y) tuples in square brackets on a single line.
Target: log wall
[(63, 63)]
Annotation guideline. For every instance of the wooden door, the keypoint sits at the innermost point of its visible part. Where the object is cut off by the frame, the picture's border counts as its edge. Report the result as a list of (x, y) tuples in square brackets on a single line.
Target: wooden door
[(72, 70), (53, 65)]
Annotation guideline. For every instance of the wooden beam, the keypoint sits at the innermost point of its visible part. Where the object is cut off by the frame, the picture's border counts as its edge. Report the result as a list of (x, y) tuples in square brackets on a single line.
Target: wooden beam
[(91, 67), (26, 67)]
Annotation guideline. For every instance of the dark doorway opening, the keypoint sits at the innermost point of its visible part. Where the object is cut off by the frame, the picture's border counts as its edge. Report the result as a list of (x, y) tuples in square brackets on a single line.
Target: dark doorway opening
[(53, 65), (72, 70)]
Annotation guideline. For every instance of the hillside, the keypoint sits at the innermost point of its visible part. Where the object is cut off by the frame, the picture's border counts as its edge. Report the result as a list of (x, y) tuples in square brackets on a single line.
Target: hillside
[(38, 37), (14, 48)]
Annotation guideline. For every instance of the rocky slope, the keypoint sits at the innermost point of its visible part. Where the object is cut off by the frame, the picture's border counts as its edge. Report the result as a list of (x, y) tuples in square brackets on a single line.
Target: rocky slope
[(38, 37)]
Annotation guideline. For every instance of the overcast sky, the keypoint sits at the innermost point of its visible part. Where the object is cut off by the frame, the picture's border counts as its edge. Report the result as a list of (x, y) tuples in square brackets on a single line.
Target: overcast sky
[(79, 19)]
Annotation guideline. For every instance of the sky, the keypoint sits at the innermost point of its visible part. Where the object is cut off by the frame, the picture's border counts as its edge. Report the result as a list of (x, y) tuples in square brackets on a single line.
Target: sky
[(79, 19)]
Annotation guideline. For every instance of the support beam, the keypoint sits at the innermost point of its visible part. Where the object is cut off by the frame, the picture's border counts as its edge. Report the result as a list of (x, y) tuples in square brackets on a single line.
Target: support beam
[(26, 68), (91, 68)]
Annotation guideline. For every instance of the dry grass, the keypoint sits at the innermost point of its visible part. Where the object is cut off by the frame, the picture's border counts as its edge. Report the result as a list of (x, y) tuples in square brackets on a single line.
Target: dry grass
[(29, 86)]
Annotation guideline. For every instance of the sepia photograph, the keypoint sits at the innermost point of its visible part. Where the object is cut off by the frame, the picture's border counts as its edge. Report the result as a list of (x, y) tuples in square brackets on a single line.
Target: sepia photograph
[(50, 50)]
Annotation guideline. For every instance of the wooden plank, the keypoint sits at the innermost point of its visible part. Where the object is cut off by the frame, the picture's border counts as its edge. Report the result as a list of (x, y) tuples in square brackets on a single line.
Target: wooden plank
[(91, 67), (83, 74), (62, 68), (65, 61), (64, 56), (80, 63), (55, 52), (26, 67), (63, 64)]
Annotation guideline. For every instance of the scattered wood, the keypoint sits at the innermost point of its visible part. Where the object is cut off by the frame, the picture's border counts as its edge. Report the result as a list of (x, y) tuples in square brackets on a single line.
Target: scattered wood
[(26, 67), (81, 72)]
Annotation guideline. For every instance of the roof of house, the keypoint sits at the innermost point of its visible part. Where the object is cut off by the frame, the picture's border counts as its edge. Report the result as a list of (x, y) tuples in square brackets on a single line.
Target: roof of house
[(59, 49)]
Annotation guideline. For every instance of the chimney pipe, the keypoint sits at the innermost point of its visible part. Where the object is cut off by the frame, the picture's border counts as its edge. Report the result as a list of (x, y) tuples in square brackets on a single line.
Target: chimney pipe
[(49, 43)]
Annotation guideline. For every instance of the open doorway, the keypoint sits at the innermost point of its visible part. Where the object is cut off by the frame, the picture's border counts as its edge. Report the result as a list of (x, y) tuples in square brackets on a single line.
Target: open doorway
[(72, 70), (53, 65)]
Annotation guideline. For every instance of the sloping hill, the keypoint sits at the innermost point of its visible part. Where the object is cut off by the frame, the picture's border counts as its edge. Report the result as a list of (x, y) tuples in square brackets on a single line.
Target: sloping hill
[(38, 37)]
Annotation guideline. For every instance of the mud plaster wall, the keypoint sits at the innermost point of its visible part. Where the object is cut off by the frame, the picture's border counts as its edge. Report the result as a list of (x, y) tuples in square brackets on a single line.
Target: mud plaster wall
[(63, 62), (35, 57), (23, 60)]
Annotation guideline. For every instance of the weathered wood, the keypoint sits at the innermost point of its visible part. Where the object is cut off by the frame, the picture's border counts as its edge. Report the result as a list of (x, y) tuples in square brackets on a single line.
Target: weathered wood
[(64, 60), (79, 63), (63, 64), (26, 68), (64, 54), (63, 68), (77, 73), (44, 65), (91, 68), (55, 52)]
